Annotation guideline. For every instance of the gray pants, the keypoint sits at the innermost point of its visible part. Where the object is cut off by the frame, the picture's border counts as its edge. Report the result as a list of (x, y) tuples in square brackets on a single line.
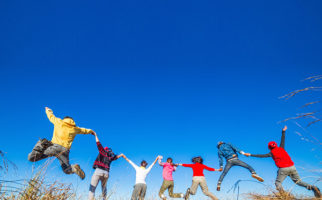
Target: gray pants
[(139, 191), (40, 152), (230, 164), (282, 173), (201, 180), (99, 175)]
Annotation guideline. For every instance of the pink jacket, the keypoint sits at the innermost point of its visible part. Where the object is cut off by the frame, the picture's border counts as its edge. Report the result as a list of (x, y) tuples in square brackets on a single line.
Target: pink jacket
[(167, 170)]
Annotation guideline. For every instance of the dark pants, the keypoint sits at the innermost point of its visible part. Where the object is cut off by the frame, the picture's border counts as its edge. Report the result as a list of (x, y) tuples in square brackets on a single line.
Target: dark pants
[(230, 164), (41, 151)]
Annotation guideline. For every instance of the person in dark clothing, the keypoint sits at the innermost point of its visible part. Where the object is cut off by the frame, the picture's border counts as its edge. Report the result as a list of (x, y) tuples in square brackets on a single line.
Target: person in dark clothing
[(230, 153), (102, 168), (286, 166)]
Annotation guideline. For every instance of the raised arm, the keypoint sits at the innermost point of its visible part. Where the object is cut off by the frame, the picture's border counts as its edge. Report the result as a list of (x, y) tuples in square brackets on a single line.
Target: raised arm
[(159, 161), (51, 116), (150, 167), (131, 163), (100, 146), (282, 144)]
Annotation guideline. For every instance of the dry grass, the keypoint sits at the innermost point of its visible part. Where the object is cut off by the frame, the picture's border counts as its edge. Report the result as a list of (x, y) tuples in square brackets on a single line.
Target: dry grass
[(277, 196)]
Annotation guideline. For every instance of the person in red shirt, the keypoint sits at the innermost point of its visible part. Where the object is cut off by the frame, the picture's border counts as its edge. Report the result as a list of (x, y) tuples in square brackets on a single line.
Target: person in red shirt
[(198, 178), (286, 166)]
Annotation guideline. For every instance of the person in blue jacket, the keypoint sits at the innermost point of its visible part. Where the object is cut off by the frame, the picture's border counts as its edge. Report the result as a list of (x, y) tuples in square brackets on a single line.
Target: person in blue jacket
[(230, 153)]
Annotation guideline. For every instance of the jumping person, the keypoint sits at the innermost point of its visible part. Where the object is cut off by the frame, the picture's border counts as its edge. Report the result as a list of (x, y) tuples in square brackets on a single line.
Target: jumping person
[(65, 131), (102, 168), (230, 153), (198, 178), (141, 173), (168, 184), (285, 166)]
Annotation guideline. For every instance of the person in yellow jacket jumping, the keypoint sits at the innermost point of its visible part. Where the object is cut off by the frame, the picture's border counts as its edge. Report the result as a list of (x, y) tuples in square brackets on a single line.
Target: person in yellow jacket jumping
[(65, 131)]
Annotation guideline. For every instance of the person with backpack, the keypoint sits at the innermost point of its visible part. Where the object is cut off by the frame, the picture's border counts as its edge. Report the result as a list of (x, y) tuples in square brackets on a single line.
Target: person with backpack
[(65, 131), (230, 153), (285, 166), (102, 167)]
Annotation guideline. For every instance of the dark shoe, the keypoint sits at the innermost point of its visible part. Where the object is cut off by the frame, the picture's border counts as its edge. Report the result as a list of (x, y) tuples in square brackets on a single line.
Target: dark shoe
[(186, 196), (77, 170), (218, 187), (317, 192), (257, 177)]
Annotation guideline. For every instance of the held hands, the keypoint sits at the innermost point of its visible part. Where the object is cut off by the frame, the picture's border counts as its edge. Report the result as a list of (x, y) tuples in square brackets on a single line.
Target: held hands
[(247, 154), (220, 169), (285, 128)]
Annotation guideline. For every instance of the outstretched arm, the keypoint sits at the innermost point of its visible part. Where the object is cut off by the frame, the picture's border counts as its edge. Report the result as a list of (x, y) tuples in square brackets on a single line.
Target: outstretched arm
[(131, 163), (85, 131), (209, 168), (261, 155), (157, 158), (236, 149), (51, 116), (282, 144)]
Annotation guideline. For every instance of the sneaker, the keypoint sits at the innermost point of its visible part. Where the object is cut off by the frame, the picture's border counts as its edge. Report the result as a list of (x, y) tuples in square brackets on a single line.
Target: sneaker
[(218, 187), (317, 192), (257, 177), (186, 196), (78, 171), (163, 197)]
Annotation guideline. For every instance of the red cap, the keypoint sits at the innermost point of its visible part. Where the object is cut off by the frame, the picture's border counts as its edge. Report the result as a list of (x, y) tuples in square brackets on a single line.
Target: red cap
[(106, 148), (272, 145)]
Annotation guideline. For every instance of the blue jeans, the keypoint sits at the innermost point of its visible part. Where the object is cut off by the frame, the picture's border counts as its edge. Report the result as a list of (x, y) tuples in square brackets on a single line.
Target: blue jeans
[(234, 162)]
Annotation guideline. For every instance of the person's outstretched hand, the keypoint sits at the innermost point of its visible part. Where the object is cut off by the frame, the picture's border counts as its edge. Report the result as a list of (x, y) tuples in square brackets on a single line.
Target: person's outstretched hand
[(220, 169), (247, 154), (285, 128)]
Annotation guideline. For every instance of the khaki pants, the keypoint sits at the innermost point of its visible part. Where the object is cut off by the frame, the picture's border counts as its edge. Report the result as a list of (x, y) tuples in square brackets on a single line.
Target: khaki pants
[(201, 180), (169, 185), (139, 191)]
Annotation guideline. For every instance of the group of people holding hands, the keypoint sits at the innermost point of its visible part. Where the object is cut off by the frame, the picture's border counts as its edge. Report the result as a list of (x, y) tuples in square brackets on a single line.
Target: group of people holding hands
[(65, 131)]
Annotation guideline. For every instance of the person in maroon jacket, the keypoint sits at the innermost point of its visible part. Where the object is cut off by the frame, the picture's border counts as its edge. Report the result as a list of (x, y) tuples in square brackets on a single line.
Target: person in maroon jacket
[(102, 168), (198, 178), (286, 166)]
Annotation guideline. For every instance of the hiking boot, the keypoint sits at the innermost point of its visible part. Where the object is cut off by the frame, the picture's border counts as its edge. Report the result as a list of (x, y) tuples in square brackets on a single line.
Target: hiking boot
[(77, 170), (186, 196), (218, 187), (257, 177), (316, 192)]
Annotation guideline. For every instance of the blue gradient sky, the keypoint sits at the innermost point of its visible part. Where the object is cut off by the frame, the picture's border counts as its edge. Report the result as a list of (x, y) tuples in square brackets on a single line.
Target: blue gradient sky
[(159, 77)]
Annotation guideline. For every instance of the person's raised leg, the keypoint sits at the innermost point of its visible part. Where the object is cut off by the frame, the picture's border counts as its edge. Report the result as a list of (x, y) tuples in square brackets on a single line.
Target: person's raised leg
[(223, 174), (170, 190), (247, 166), (194, 185), (204, 188), (37, 152), (94, 182)]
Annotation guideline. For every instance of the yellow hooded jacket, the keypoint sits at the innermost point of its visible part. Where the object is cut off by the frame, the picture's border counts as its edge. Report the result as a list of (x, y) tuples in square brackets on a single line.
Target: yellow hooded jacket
[(65, 130)]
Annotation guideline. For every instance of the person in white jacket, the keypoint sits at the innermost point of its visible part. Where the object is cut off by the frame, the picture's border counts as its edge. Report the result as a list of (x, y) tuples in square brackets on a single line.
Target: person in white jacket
[(141, 173)]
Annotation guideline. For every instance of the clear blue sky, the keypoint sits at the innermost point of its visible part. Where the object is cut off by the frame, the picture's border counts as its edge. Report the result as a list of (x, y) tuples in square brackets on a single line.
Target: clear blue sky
[(159, 77)]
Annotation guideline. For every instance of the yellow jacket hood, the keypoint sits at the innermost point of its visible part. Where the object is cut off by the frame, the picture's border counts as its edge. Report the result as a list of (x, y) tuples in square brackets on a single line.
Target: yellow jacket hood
[(69, 121)]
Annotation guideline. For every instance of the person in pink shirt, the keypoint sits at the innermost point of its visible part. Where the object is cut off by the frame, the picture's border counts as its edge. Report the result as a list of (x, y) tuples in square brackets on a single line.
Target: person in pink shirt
[(168, 184)]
